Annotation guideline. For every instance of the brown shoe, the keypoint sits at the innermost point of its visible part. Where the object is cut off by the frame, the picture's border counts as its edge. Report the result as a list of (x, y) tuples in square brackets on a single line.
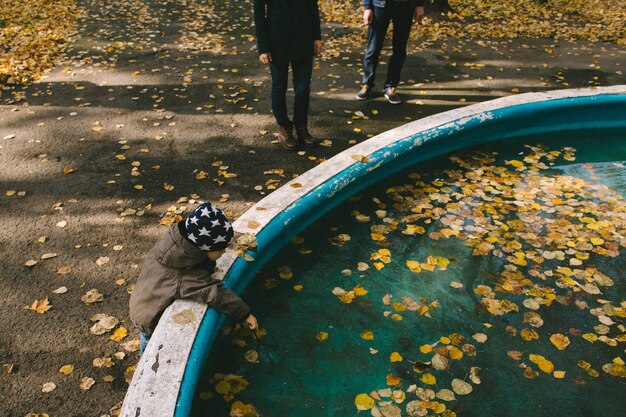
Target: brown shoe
[(285, 137), (305, 137)]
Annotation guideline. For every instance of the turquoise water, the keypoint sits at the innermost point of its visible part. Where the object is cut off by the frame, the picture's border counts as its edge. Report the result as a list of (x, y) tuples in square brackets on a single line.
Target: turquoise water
[(315, 357)]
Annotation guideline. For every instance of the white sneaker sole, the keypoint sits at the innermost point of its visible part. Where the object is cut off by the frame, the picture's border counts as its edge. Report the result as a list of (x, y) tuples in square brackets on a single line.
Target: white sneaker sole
[(392, 101)]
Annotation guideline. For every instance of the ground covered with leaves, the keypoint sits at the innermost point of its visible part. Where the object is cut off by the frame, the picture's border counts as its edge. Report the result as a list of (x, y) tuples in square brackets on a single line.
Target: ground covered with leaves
[(157, 105)]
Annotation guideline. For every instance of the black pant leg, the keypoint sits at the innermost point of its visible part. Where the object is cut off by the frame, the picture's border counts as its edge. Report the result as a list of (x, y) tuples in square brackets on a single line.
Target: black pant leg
[(280, 78), (302, 72), (402, 17)]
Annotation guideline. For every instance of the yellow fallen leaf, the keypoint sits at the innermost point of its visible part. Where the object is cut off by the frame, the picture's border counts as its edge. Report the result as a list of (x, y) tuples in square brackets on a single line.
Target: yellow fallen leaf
[(363, 402), (393, 380), (119, 334), (367, 335), (223, 387), (544, 364), (429, 379), (359, 291), (528, 334), (560, 341), (455, 353), (426, 348), (395, 357), (515, 163), (360, 158), (414, 266), (129, 372), (321, 336), (40, 306), (67, 369)]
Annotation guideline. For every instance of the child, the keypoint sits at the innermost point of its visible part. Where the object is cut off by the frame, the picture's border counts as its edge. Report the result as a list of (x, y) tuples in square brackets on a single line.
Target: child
[(180, 265)]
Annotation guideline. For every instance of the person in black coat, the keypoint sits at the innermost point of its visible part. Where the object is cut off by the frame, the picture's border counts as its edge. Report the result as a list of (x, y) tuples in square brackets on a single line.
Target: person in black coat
[(288, 33)]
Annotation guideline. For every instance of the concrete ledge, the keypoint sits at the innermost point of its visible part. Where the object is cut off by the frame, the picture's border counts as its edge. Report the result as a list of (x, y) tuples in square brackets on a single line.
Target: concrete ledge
[(166, 376)]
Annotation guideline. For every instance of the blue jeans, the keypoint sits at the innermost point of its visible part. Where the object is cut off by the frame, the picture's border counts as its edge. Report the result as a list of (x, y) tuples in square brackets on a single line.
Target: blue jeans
[(401, 14), (302, 71), (143, 341)]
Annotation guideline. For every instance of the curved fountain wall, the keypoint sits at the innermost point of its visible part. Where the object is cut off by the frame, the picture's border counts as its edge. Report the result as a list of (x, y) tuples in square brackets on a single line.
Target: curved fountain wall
[(166, 377)]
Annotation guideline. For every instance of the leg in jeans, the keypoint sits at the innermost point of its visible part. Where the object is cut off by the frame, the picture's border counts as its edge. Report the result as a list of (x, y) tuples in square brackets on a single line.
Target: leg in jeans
[(375, 38), (402, 21), (143, 341), (302, 71), (280, 77)]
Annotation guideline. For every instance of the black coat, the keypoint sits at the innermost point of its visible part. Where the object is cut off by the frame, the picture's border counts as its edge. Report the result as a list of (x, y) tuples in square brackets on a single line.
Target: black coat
[(287, 28)]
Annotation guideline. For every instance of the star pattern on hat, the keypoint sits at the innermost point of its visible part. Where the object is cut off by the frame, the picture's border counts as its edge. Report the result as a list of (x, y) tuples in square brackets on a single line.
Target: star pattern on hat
[(208, 228)]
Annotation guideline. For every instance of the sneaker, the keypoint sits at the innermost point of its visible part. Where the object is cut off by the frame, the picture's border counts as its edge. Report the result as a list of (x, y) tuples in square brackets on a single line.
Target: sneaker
[(285, 137), (391, 96), (364, 93), (305, 137)]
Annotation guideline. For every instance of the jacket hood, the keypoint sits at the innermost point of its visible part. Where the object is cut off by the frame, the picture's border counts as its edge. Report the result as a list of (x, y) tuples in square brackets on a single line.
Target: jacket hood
[(174, 251)]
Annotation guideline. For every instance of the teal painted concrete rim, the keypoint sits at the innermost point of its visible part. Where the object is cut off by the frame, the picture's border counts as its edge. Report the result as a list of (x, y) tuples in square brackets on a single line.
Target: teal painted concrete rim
[(592, 113)]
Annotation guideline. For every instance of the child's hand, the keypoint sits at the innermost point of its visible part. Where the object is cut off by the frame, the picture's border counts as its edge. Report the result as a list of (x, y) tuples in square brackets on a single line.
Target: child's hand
[(251, 322)]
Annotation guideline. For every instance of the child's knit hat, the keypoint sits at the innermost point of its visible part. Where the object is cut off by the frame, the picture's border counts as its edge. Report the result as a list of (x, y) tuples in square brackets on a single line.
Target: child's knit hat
[(208, 228)]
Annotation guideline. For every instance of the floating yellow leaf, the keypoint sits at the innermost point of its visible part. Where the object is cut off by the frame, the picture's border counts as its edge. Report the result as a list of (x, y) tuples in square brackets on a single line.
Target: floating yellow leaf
[(359, 291), (367, 335), (414, 266), (590, 337), (285, 272), (393, 380), (559, 374), (515, 163), (429, 379), (426, 348), (544, 364), (321, 336), (455, 353), (615, 369), (560, 341), (240, 409), (528, 334), (395, 357), (363, 402), (223, 387)]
